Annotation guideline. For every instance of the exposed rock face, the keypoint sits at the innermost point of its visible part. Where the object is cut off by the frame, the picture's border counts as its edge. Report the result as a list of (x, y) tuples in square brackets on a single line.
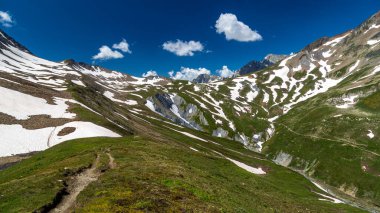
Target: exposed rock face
[(242, 139), (175, 108), (202, 78), (254, 66), (283, 159), (254, 143), (220, 132), (202, 119), (273, 58), (319, 42), (206, 78)]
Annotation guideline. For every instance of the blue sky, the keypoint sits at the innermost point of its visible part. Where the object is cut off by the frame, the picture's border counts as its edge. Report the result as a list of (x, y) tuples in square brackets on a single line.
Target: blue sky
[(58, 30)]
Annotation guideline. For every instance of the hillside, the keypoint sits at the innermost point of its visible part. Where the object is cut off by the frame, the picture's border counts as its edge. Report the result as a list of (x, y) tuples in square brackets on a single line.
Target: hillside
[(301, 135)]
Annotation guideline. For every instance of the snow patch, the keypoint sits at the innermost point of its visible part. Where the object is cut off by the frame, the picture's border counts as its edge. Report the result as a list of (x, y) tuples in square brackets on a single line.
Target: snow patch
[(194, 149), (348, 102), (370, 134), (354, 66), (373, 26), (78, 82), (22, 106), (372, 42), (257, 171), (150, 105), (335, 41), (110, 95), (16, 140)]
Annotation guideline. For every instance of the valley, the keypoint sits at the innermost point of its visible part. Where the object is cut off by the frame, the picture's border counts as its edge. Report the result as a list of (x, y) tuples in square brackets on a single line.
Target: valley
[(301, 134)]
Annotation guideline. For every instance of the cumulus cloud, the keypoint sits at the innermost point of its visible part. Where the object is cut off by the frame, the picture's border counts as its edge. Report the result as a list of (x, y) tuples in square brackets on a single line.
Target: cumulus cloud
[(183, 48), (234, 29), (123, 46), (225, 72), (106, 53), (149, 73), (6, 19), (188, 73)]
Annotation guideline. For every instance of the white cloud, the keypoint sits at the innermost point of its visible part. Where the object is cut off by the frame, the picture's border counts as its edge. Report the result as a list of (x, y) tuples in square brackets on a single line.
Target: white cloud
[(234, 29), (225, 72), (6, 19), (106, 53), (149, 73), (188, 73), (123, 46), (183, 48)]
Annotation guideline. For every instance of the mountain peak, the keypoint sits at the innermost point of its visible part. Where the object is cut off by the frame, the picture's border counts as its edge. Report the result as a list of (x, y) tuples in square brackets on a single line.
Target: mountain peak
[(317, 43), (5, 39)]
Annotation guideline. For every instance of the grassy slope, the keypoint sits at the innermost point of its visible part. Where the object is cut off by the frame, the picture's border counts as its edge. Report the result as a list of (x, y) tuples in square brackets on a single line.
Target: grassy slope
[(339, 145), (153, 176)]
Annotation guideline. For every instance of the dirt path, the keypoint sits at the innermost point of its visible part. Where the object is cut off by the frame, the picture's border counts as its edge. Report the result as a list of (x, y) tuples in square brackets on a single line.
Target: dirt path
[(79, 183), (112, 164)]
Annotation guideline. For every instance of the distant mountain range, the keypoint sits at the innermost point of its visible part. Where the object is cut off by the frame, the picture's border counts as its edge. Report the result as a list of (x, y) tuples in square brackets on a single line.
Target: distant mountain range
[(254, 66)]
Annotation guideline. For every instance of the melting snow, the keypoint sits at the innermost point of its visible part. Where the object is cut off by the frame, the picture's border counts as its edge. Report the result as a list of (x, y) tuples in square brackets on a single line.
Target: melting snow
[(258, 171), (110, 95), (354, 66), (251, 95), (370, 134), (372, 42), (373, 26), (235, 91), (320, 87), (188, 135), (336, 40), (332, 199), (327, 54), (22, 106), (348, 102), (266, 97), (194, 149), (78, 82), (150, 105), (329, 198), (16, 140)]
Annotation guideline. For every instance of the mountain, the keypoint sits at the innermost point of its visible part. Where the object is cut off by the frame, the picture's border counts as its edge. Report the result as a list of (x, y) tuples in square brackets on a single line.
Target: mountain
[(254, 66), (299, 135), (206, 78)]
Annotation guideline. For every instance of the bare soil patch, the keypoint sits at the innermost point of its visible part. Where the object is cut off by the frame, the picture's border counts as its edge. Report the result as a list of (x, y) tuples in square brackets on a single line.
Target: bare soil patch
[(66, 131)]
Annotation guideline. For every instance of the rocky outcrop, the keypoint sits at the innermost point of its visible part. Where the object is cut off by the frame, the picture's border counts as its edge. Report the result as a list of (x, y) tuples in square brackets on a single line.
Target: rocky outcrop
[(319, 42), (205, 78), (283, 159), (274, 58), (175, 108), (253, 143), (220, 132), (202, 78)]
